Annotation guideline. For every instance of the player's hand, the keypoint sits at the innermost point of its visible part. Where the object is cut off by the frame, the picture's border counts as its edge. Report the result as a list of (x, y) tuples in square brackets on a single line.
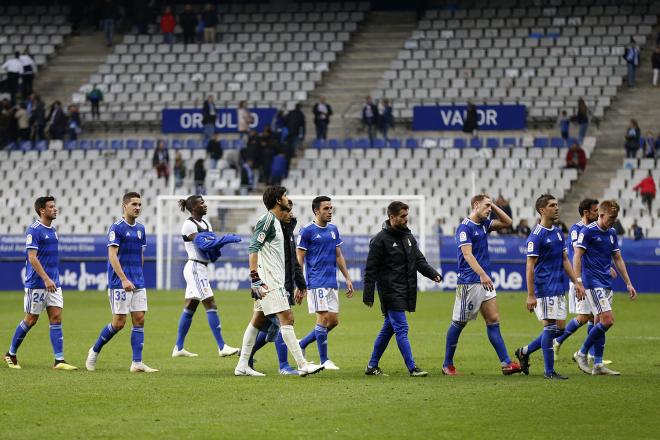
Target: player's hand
[(127, 285), (486, 282), (50, 285), (299, 295), (632, 292), (368, 304), (580, 293), (438, 279), (349, 289), (531, 303), (613, 273)]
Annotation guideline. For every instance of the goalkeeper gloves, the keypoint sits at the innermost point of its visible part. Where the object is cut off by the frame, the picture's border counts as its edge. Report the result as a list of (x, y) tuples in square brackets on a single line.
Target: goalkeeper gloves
[(259, 288)]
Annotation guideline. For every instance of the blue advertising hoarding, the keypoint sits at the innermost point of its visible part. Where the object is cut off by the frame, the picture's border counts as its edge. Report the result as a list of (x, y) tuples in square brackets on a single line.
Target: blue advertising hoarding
[(451, 117), (189, 120)]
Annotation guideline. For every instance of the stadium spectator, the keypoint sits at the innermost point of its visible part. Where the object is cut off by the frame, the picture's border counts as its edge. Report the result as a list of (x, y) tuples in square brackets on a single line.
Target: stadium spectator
[(214, 150), (618, 227), (95, 97), (636, 231), (267, 149), (439, 227), (37, 117), (74, 125), (564, 124), (188, 23), (161, 161), (504, 205), (649, 146), (633, 137), (576, 157), (646, 189), (471, 122), (109, 13), (581, 118), (27, 76), (295, 124), (523, 229), (167, 25), (22, 123), (6, 121), (655, 64), (561, 225), (245, 119), (14, 69), (209, 116), (247, 176), (370, 118), (57, 121), (252, 148), (179, 170), (322, 112), (278, 124), (199, 29), (140, 12), (386, 119), (278, 169), (210, 19), (199, 177), (631, 55)]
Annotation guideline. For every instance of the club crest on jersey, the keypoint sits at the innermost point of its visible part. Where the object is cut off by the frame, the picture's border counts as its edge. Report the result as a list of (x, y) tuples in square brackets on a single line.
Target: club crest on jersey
[(139, 234), (111, 236), (28, 239)]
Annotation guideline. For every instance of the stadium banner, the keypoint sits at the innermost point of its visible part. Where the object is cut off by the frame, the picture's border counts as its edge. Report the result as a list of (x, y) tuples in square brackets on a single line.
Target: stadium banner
[(189, 120), (83, 263), (451, 117)]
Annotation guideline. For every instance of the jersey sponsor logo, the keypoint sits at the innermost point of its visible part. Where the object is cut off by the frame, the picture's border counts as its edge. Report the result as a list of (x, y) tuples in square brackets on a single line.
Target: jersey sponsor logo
[(261, 237), (462, 236), (580, 238), (574, 235), (530, 246), (111, 236), (28, 239), (139, 234)]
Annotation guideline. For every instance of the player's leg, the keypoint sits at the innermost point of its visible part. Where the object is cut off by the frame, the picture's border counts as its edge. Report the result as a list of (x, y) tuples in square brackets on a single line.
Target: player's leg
[(289, 337), (267, 333), (317, 302), (380, 344), (257, 321), (490, 312), (213, 318), (464, 311), (185, 321), (400, 327), (283, 356), (57, 336), (137, 341), (523, 353), (33, 304), (600, 302)]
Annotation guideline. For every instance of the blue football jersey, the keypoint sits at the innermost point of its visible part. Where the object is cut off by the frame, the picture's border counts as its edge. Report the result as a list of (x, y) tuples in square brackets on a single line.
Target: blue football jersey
[(44, 240), (548, 246), (599, 246), (131, 240), (572, 239), (321, 256), (476, 235)]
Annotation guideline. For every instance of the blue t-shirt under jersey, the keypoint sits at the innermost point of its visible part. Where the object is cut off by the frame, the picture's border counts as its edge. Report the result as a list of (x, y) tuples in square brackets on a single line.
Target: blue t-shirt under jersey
[(130, 239), (548, 246), (599, 246), (320, 244), (476, 235), (44, 240)]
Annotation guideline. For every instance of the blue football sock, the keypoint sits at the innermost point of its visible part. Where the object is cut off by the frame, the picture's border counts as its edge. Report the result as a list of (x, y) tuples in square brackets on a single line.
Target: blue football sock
[(258, 343), (184, 325), (572, 326), (322, 341), (454, 331), (380, 344), (282, 352), (589, 327), (534, 345), (311, 337), (213, 318), (599, 349), (400, 327), (546, 345), (21, 331), (137, 343), (496, 340), (594, 335), (57, 341), (106, 334)]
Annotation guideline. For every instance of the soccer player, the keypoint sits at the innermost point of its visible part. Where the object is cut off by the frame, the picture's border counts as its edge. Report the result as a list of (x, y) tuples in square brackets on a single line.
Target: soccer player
[(546, 260), (475, 291), (197, 281), (267, 275), (319, 251), (126, 289), (42, 284), (393, 262), (597, 245)]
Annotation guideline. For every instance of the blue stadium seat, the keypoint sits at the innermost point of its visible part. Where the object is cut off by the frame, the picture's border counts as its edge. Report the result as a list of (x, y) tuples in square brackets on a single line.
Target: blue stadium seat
[(117, 144), (362, 143), (476, 142), (41, 146), (177, 144), (70, 145), (334, 143), (238, 144), (224, 144), (25, 146), (101, 144), (509, 142), (557, 142), (541, 142), (493, 142), (459, 143), (148, 144), (85, 145), (378, 143), (572, 141), (132, 144), (349, 143), (394, 143), (193, 144), (411, 143), (318, 143)]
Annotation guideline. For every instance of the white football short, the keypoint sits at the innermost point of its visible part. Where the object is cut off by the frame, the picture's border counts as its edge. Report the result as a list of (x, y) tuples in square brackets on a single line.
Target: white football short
[(276, 301), (600, 300), (551, 308), (36, 300), (123, 302), (576, 306), (323, 299), (197, 281), (469, 298)]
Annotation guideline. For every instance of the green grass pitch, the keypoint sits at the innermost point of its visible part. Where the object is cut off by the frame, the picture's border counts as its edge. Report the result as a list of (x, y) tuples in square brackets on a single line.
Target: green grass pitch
[(200, 397)]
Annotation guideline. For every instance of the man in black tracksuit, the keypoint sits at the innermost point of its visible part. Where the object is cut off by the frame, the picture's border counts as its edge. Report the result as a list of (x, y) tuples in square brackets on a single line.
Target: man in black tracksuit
[(295, 285), (393, 262)]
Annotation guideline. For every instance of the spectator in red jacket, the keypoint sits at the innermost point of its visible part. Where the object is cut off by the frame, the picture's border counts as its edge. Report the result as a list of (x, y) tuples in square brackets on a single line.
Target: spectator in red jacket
[(167, 25), (646, 189), (576, 158)]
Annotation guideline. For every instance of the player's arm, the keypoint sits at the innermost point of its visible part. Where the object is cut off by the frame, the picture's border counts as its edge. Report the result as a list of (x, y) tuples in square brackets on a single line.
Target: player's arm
[(621, 268), (529, 276), (39, 269), (375, 259), (568, 268), (113, 257), (264, 231), (502, 221), (341, 264), (299, 279), (300, 256), (484, 279), (577, 268)]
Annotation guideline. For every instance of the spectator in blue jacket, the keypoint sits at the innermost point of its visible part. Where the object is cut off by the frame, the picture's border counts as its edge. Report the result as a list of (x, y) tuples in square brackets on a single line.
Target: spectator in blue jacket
[(386, 119), (564, 124), (278, 170), (370, 118)]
